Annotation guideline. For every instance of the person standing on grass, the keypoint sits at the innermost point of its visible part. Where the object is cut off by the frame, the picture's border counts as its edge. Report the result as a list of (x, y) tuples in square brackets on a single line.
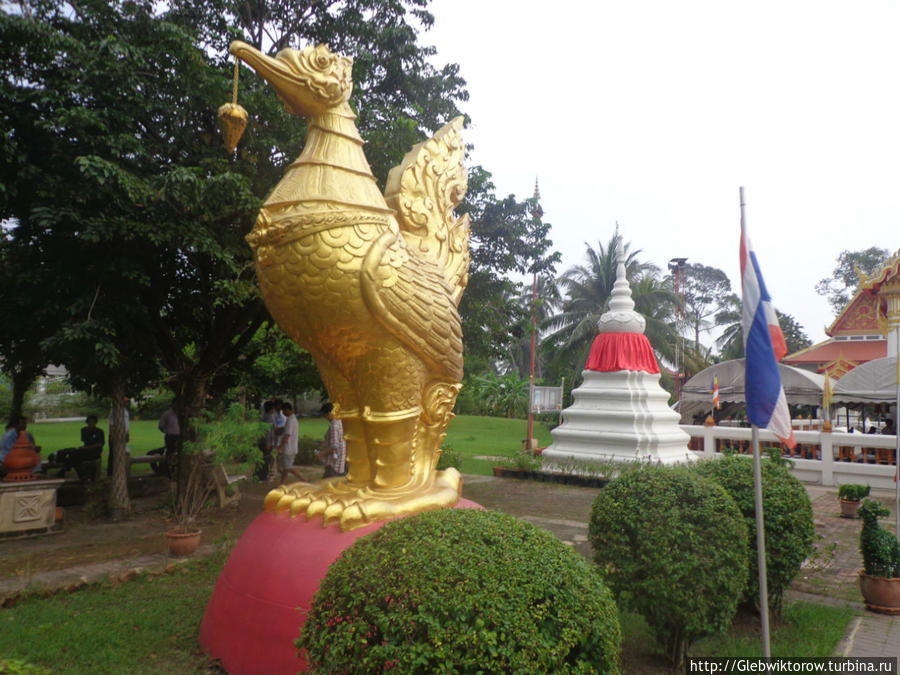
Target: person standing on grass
[(334, 447), (288, 444), (171, 430)]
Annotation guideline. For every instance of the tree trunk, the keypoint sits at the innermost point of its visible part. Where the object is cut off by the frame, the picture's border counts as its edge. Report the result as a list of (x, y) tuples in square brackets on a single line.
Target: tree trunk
[(189, 402), (21, 382), (119, 504)]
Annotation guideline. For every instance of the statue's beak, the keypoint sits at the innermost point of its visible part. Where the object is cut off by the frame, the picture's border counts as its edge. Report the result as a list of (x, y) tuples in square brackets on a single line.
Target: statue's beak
[(278, 73)]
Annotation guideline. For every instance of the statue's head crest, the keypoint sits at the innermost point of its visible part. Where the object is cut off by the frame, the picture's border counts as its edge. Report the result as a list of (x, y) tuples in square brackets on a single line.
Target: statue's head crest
[(328, 75)]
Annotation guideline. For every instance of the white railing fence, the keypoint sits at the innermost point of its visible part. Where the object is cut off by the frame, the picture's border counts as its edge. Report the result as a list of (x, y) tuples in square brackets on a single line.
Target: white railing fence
[(822, 458)]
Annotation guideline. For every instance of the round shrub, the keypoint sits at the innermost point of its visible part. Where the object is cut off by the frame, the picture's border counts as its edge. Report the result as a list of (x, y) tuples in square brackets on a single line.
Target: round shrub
[(672, 545), (461, 591), (787, 514)]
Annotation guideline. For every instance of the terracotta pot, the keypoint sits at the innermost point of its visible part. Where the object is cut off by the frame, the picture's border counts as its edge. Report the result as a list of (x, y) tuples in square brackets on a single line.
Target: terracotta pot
[(21, 460), (880, 593), (848, 508), (182, 544)]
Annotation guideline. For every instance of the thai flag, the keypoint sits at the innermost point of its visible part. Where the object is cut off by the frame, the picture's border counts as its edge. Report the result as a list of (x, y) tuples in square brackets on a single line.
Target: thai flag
[(764, 346)]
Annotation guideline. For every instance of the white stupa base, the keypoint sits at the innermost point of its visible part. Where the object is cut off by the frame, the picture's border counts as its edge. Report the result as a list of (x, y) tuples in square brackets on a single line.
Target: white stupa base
[(619, 416)]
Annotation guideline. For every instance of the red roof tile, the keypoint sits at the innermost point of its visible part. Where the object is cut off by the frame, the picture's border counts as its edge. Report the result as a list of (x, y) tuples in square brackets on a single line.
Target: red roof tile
[(858, 351)]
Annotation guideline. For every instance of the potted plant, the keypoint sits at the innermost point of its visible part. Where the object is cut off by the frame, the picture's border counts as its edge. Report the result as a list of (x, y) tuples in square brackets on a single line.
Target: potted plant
[(184, 538), (850, 495), (230, 438), (879, 580)]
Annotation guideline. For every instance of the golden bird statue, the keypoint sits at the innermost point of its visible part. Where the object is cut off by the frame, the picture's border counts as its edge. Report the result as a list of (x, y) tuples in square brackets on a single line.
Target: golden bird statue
[(369, 285)]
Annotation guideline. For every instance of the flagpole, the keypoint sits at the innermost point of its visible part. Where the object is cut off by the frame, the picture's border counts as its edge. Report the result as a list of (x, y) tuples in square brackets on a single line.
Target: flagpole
[(760, 542), (760, 521), (897, 446)]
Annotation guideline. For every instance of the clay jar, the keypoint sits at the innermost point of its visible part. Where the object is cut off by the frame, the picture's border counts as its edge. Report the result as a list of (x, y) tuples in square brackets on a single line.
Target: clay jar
[(21, 460)]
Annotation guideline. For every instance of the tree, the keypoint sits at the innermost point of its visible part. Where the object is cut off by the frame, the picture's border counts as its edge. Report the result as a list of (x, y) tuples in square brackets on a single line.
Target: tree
[(398, 95), (705, 290), (273, 364), (794, 335), (731, 341), (122, 188), (518, 352), (505, 239), (114, 174), (23, 324), (116, 159), (843, 283)]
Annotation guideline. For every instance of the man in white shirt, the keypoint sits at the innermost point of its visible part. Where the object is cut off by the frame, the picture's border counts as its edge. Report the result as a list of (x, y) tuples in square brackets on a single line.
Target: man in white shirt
[(288, 445)]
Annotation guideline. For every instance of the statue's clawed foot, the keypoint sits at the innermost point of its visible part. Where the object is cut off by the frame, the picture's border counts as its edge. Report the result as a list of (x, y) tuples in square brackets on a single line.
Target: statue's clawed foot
[(373, 505), (352, 506), (308, 498)]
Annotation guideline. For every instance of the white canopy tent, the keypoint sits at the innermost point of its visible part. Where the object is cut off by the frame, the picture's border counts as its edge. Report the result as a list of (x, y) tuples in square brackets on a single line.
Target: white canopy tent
[(801, 387), (871, 382)]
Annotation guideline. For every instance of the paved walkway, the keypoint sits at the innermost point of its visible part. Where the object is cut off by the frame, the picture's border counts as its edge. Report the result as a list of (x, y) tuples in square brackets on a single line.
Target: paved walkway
[(565, 511)]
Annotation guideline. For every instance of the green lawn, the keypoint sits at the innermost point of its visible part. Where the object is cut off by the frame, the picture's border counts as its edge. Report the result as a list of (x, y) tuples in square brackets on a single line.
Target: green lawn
[(150, 625), (468, 435), (147, 625), (803, 631), (145, 436), (471, 435)]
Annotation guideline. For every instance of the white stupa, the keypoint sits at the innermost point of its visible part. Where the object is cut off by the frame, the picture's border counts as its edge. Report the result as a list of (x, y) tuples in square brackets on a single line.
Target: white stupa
[(620, 412)]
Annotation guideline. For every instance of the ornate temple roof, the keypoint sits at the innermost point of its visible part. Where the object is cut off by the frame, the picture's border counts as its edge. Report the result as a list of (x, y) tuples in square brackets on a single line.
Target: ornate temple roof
[(856, 333)]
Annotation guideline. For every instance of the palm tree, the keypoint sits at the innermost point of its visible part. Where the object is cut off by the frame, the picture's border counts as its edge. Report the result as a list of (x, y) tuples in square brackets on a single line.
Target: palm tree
[(731, 342)]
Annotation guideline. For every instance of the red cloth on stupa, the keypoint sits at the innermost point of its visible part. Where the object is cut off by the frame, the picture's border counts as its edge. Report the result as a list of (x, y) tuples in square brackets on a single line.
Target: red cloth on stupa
[(622, 351)]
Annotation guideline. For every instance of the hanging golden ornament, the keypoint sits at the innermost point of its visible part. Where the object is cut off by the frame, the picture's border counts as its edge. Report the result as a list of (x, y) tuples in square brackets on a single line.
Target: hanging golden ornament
[(233, 117)]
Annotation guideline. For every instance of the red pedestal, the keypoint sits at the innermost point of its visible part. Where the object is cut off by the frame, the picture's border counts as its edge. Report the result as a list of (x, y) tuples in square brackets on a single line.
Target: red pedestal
[(266, 588)]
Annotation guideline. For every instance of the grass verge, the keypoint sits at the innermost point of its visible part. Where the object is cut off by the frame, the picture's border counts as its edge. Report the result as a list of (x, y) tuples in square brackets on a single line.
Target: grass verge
[(147, 625), (804, 630)]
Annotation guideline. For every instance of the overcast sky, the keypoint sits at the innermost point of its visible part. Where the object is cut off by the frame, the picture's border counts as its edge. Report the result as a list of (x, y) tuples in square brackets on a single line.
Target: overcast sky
[(653, 113)]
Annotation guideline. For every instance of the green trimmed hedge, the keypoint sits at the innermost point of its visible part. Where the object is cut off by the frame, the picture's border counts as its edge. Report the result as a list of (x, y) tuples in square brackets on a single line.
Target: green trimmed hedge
[(787, 515), (461, 591), (673, 548)]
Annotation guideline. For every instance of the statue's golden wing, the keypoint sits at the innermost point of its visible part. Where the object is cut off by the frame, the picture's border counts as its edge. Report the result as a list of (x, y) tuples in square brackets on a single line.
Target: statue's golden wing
[(409, 295), (423, 190)]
